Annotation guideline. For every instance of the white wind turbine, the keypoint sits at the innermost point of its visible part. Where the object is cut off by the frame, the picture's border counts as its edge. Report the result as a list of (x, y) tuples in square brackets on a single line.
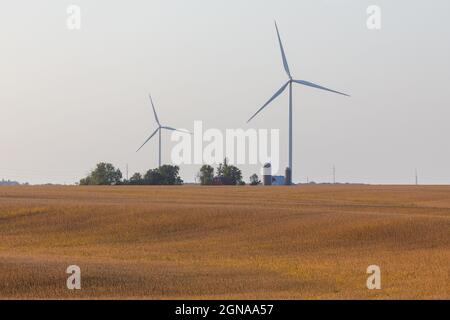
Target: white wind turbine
[(289, 83), (158, 130)]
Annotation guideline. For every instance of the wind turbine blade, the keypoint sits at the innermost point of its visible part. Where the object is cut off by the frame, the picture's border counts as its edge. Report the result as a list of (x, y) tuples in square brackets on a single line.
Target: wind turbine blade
[(283, 55), (313, 85), (173, 129), (270, 100), (154, 111), (148, 139)]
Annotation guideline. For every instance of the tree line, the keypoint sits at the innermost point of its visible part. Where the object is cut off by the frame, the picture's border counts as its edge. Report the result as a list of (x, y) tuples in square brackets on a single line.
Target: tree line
[(105, 174), (4, 182), (226, 174)]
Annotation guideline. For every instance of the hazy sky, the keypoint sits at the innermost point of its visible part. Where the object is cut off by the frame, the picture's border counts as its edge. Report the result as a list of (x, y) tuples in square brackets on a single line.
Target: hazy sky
[(70, 99)]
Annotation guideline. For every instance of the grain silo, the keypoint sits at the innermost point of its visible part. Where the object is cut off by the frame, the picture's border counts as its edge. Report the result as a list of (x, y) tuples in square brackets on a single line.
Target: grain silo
[(288, 177), (267, 174)]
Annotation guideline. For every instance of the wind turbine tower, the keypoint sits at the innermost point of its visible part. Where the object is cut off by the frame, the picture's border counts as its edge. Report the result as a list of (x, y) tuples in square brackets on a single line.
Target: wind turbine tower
[(280, 91), (158, 130)]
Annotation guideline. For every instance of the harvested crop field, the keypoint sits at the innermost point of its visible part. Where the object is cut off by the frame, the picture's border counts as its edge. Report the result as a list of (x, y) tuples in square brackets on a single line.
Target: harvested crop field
[(192, 242)]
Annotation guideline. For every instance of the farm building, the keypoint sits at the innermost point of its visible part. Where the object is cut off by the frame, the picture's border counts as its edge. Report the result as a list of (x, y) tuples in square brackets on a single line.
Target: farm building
[(278, 181)]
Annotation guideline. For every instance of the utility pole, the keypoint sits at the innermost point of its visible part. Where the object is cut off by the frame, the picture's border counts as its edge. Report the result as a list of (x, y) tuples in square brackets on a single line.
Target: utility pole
[(334, 174), (417, 178), (127, 171)]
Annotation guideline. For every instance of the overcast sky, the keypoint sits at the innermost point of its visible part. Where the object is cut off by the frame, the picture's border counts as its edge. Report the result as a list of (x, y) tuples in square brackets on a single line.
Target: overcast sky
[(70, 99)]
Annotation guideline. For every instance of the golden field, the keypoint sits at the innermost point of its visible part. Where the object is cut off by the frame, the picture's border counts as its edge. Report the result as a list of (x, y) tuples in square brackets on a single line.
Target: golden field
[(192, 242)]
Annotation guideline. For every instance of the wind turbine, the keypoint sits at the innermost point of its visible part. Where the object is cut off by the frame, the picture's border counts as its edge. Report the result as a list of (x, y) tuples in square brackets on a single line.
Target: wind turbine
[(280, 91), (158, 130)]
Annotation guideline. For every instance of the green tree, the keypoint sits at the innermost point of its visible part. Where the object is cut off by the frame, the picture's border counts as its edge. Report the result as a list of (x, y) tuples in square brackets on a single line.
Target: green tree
[(170, 175), (152, 177), (136, 179), (232, 175), (103, 174), (206, 174), (254, 180), (85, 181), (164, 175)]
